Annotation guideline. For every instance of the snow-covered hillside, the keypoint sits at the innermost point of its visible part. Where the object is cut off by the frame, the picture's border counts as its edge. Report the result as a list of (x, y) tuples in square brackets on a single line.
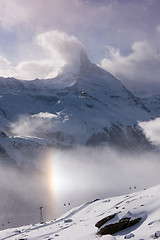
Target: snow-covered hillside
[(79, 223), (89, 107)]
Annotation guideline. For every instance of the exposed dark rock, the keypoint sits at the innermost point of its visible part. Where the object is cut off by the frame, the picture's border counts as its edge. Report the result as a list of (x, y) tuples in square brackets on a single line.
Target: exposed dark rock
[(129, 236), (127, 138), (2, 113), (120, 137), (104, 220), (118, 226), (5, 158), (97, 139), (3, 135), (97, 199), (68, 220)]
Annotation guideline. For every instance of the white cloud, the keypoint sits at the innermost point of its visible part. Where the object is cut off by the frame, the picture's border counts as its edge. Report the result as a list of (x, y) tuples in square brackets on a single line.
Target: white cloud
[(28, 70), (64, 49), (6, 68), (59, 52), (37, 125), (152, 130), (112, 174), (140, 65), (23, 189)]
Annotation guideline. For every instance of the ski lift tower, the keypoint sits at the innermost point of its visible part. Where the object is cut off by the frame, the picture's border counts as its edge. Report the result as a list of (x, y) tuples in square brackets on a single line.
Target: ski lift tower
[(41, 215)]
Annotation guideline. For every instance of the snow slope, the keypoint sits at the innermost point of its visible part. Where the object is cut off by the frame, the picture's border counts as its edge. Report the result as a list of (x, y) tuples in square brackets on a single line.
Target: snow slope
[(79, 223), (152, 101)]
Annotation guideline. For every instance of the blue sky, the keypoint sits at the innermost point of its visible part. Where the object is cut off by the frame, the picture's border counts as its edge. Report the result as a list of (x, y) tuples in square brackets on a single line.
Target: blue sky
[(113, 33)]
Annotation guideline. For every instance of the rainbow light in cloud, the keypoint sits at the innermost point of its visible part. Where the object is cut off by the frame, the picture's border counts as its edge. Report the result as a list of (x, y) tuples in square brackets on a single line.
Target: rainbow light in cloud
[(60, 180), (60, 183)]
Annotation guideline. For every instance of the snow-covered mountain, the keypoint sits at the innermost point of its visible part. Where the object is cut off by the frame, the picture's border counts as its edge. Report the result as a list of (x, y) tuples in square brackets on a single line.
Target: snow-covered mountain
[(142, 209), (151, 101), (89, 107)]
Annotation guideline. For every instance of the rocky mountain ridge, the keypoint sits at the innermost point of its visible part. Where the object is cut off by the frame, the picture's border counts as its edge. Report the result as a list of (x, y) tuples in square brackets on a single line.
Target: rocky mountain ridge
[(90, 107)]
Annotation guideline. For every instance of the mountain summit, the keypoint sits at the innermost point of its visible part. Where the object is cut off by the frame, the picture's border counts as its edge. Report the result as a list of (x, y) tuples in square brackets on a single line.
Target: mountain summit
[(88, 106)]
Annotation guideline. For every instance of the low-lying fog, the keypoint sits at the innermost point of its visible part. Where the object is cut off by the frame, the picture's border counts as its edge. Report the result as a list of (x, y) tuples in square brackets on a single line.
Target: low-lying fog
[(64, 179)]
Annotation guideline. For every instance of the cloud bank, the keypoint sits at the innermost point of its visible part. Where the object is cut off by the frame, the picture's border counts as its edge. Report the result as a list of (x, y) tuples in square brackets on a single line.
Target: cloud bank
[(140, 66), (84, 174), (37, 125), (152, 130), (72, 176), (65, 50), (23, 191), (60, 52)]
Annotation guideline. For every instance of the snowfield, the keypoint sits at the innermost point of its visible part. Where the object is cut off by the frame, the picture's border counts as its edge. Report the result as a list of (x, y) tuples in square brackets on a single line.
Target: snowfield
[(79, 223)]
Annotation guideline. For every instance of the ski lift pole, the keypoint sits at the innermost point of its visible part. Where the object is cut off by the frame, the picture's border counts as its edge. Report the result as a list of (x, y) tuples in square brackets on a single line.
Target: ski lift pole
[(41, 215)]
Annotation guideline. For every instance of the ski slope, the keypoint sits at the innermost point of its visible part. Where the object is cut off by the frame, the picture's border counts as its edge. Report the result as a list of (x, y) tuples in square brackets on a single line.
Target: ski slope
[(79, 223)]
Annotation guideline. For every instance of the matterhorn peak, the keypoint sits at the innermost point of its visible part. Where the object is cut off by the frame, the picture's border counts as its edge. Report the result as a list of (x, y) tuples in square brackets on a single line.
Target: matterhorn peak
[(76, 64)]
